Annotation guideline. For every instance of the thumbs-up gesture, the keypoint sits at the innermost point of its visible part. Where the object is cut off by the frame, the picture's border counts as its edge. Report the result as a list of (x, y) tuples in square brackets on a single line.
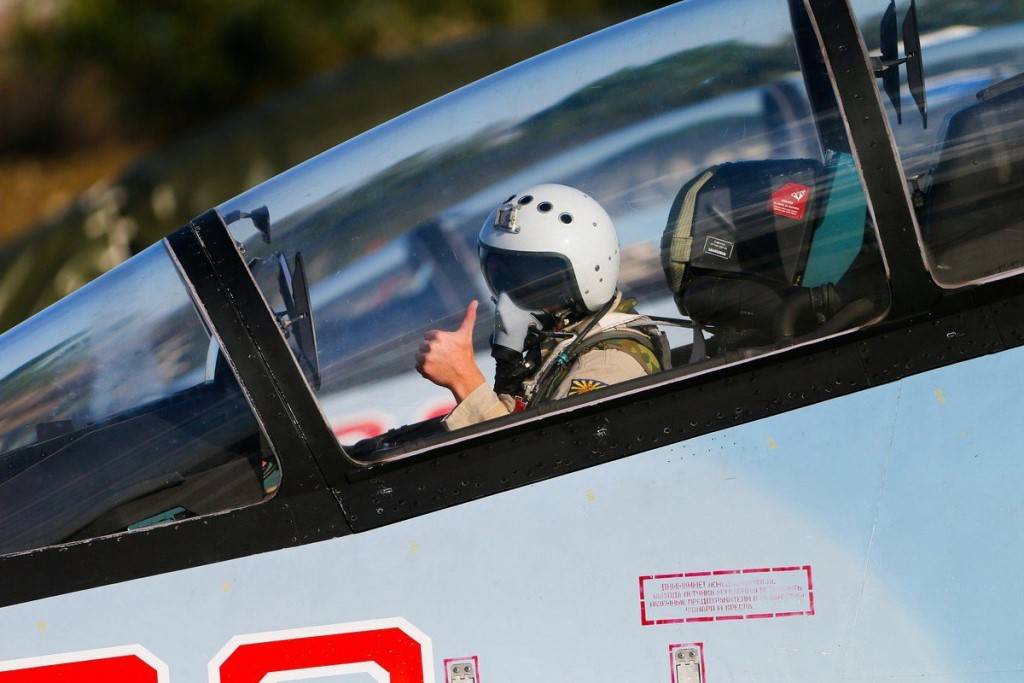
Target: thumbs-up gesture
[(446, 358)]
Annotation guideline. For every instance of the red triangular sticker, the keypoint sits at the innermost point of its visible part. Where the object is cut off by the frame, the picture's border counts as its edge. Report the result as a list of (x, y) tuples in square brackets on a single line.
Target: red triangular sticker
[(790, 201)]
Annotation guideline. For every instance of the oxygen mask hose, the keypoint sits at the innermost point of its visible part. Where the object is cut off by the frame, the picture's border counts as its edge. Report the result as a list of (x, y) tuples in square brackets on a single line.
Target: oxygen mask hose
[(816, 303)]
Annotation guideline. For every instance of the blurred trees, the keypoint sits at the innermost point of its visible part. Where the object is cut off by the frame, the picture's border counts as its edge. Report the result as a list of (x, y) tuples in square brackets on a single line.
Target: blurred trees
[(935, 15), (81, 71), (86, 83)]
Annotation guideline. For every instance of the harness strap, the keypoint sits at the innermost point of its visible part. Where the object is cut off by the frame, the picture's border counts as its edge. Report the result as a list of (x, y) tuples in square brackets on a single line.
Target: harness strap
[(636, 344), (642, 351), (698, 350)]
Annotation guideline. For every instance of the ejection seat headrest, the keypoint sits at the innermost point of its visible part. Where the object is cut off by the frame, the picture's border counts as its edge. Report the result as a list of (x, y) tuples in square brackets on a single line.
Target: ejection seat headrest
[(750, 219)]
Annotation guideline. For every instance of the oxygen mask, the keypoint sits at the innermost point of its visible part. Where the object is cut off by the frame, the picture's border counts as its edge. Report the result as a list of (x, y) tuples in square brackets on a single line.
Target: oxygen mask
[(512, 324), (515, 344)]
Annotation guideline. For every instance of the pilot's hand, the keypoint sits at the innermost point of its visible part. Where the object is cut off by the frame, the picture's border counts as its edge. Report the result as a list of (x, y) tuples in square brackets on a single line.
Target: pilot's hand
[(446, 358)]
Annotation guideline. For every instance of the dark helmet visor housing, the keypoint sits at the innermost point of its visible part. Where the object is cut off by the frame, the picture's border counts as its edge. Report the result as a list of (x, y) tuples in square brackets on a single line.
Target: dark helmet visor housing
[(534, 282)]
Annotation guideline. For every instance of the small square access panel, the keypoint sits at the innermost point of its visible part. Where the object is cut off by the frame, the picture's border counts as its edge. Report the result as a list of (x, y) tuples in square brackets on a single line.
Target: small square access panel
[(462, 670), (687, 662)]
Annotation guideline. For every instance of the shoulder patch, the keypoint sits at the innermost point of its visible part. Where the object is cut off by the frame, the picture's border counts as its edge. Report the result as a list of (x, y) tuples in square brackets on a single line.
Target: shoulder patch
[(583, 386), (637, 351)]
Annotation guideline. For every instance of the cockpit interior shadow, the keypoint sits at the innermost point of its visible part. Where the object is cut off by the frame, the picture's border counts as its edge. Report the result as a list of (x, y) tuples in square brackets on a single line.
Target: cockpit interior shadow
[(971, 204), (195, 452)]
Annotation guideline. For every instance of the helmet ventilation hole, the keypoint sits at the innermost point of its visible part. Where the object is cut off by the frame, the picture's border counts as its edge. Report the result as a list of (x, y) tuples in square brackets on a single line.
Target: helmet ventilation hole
[(597, 268), (566, 218), (510, 198), (525, 199), (544, 207)]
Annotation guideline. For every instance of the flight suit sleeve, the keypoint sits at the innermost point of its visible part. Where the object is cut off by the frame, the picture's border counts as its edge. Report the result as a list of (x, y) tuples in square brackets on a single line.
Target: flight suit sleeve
[(597, 369), (594, 370), (481, 405)]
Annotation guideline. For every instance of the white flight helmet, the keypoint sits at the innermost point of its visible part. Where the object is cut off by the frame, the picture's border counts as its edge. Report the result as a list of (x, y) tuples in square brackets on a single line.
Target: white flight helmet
[(551, 247)]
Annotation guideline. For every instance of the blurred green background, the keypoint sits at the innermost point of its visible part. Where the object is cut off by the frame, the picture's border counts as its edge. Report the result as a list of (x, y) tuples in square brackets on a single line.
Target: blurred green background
[(122, 119)]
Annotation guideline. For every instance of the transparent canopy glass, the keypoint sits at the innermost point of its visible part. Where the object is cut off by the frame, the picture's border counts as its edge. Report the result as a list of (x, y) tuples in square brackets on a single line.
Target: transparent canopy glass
[(119, 413), (966, 166), (387, 223)]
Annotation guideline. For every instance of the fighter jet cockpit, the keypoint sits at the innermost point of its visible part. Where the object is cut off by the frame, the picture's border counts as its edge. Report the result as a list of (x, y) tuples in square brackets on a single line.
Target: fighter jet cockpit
[(665, 198), (738, 226)]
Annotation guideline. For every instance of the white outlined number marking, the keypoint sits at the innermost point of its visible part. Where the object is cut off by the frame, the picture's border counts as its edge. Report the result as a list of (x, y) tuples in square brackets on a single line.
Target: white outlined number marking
[(389, 650), (126, 664)]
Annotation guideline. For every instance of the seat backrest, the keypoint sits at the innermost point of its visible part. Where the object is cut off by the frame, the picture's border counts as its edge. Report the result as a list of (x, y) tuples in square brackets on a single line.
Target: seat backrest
[(743, 239)]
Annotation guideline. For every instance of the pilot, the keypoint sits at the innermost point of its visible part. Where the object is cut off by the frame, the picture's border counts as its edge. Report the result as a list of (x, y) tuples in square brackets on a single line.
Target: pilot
[(550, 256)]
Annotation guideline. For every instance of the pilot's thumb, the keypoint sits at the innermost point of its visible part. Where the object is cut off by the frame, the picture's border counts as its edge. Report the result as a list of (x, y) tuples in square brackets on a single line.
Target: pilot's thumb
[(470, 318)]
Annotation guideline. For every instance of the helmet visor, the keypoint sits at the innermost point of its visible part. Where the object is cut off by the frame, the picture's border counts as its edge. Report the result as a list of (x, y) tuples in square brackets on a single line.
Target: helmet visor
[(534, 282)]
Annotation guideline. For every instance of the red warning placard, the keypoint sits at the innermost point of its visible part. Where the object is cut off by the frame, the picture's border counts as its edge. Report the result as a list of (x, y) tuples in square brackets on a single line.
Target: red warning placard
[(726, 595), (791, 200)]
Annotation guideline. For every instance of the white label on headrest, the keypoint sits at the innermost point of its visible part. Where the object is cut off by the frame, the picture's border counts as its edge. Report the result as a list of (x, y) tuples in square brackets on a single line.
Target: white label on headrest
[(715, 246)]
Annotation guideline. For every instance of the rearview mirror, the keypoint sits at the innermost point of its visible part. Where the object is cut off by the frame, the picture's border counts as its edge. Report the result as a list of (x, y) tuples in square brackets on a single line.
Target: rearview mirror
[(887, 64)]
